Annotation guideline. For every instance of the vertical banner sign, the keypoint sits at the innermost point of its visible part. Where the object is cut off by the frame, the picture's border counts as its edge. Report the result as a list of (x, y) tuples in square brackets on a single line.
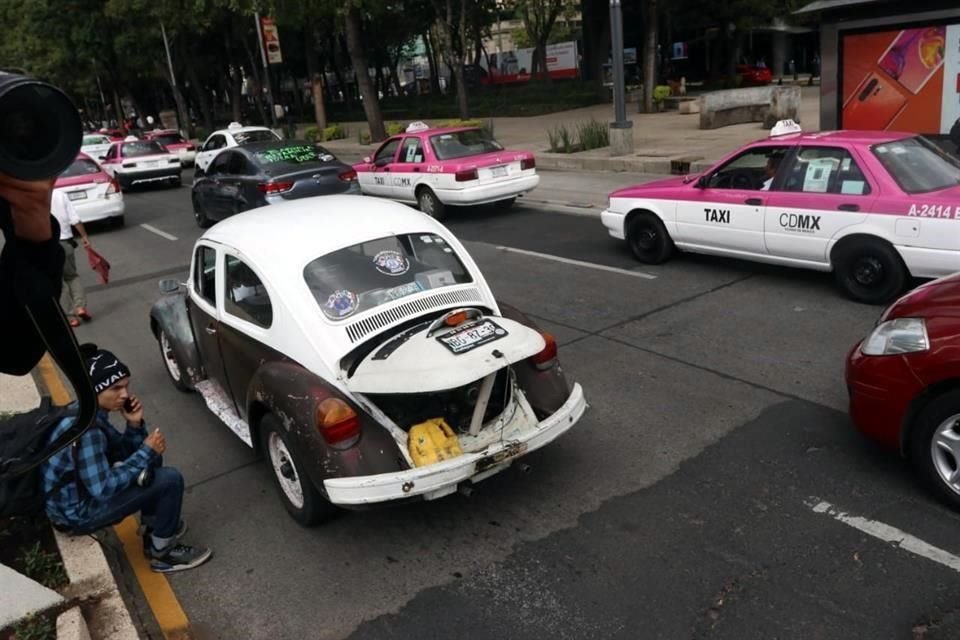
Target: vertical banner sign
[(271, 40), (950, 109)]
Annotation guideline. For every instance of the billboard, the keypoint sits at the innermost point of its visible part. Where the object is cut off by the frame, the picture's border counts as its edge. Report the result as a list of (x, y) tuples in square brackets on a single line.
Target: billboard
[(271, 40), (906, 80), (515, 66)]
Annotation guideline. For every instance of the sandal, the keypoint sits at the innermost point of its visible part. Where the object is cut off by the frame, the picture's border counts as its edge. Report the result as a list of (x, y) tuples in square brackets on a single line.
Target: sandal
[(83, 314), (74, 321)]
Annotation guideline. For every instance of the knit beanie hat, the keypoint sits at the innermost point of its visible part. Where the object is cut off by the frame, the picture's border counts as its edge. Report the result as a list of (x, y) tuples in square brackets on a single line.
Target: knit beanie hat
[(105, 369)]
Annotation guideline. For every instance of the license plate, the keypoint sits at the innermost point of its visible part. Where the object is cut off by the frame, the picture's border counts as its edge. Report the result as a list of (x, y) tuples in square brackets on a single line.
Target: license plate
[(77, 195), (510, 451), (463, 340), (498, 172), (150, 163)]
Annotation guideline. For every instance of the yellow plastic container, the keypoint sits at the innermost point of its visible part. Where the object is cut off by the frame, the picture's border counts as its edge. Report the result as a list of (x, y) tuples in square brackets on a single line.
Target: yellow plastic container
[(433, 441)]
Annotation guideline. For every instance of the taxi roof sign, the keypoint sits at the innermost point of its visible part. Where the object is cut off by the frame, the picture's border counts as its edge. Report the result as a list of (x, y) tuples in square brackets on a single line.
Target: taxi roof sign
[(785, 128), (417, 126), (131, 139), (234, 125)]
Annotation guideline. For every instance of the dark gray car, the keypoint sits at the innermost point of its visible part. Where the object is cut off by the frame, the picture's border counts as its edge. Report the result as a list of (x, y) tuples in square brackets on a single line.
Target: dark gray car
[(255, 175)]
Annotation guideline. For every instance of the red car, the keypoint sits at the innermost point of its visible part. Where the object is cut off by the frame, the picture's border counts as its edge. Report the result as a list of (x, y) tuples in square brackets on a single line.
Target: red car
[(751, 76), (175, 144), (904, 383), (116, 135)]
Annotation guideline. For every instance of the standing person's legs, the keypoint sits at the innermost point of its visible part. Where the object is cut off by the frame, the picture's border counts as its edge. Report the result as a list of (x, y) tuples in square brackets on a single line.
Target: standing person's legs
[(73, 295)]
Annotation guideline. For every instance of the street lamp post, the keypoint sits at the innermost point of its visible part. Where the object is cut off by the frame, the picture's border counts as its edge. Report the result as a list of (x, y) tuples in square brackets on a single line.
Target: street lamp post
[(621, 129)]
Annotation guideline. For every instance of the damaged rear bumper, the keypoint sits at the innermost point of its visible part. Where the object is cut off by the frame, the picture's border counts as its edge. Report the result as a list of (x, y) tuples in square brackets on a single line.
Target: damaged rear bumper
[(437, 480)]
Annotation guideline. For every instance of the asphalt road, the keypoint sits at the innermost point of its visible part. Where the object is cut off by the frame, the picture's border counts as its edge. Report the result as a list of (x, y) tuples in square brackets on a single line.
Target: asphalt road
[(679, 507)]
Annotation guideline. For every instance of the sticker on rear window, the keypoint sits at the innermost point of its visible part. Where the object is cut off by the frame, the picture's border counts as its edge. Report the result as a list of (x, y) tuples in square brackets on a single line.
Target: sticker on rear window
[(391, 263), (341, 304), (289, 154)]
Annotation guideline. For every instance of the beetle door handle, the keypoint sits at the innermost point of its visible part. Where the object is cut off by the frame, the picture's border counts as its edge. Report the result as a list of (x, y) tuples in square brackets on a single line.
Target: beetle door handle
[(756, 202), (849, 207), (211, 331)]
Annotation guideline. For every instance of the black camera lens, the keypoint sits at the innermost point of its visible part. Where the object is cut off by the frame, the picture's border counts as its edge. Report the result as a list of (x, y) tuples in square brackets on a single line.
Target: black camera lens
[(40, 129)]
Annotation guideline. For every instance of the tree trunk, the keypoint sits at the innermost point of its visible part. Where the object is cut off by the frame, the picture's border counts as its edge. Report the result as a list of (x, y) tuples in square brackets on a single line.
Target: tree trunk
[(596, 41), (338, 65), (649, 53), (201, 95), (315, 74), (432, 57), (255, 71), (371, 103), (394, 74)]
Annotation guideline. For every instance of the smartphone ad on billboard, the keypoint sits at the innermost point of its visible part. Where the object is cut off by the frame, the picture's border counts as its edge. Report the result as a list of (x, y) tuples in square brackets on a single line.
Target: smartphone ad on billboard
[(907, 80)]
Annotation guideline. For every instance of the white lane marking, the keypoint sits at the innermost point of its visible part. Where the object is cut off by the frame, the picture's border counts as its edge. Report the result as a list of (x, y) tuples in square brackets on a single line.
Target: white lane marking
[(579, 263), (894, 536), (162, 234)]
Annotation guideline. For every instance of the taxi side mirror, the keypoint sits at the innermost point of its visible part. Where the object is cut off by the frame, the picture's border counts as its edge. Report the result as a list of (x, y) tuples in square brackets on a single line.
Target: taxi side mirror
[(701, 182), (366, 159)]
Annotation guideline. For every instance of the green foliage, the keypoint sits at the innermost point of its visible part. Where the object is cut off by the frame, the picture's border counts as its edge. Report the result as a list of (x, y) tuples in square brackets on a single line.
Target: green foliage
[(42, 566), (660, 93), (592, 135), (586, 135), (363, 136), (35, 627), (334, 132), (395, 128)]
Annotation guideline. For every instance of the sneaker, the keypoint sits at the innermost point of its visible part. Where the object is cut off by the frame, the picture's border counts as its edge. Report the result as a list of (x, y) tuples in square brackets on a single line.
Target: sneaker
[(83, 314), (178, 557), (145, 533)]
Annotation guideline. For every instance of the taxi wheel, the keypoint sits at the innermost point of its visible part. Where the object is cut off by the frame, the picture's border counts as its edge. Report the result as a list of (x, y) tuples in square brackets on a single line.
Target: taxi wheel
[(300, 498), (202, 220), (429, 203), (869, 271), (935, 446), (648, 239)]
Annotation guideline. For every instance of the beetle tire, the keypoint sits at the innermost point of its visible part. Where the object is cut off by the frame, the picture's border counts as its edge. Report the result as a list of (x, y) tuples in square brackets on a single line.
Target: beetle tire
[(649, 240), (939, 411), (429, 203), (174, 361), (202, 220), (869, 270), (315, 508)]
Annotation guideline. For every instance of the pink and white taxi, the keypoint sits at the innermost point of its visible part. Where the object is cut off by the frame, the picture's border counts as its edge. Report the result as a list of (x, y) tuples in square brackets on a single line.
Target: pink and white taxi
[(873, 207), (439, 168)]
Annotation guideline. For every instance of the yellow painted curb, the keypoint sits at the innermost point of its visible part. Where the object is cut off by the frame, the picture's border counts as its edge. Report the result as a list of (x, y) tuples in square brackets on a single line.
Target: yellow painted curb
[(163, 602), (50, 376)]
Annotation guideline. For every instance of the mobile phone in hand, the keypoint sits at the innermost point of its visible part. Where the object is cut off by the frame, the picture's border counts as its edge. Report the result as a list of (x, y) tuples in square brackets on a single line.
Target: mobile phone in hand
[(128, 405)]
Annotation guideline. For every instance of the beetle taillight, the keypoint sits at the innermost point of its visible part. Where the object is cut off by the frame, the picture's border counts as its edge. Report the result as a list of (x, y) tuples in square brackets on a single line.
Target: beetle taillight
[(338, 423), (466, 175), (528, 163), (547, 357)]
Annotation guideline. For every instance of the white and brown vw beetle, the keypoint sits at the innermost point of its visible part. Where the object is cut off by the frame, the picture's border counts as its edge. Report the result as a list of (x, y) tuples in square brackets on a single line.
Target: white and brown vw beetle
[(356, 343)]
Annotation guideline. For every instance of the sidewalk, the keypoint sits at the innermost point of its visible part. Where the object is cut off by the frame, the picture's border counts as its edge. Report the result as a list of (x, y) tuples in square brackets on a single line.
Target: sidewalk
[(658, 138)]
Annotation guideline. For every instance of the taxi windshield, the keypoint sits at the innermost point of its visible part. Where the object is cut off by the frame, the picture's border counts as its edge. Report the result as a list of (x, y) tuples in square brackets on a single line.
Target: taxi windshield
[(142, 148), (87, 140), (369, 274), (918, 165), (461, 144)]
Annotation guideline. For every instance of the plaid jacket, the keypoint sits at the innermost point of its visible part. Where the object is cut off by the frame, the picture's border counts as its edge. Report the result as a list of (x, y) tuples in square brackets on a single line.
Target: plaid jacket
[(109, 462)]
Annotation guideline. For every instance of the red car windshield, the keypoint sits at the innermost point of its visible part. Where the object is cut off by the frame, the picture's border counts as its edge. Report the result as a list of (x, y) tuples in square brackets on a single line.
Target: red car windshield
[(169, 138), (141, 148), (462, 144), (81, 167)]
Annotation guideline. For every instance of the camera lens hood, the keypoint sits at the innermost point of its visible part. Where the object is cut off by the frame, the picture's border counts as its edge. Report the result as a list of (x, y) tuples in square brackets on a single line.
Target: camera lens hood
[(40, 128)]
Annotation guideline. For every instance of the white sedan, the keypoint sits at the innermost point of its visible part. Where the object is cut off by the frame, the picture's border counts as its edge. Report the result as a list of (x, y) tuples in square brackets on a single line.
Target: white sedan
[(234, 135), (96, 145), (356, 344)]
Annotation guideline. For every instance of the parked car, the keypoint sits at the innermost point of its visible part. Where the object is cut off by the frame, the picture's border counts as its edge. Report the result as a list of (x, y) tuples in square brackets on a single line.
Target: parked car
[(115, 134), (440, 168), (95, 145), (263, 173), (94, 193), (873, 207), (904, 383), (138, 162), (235, 135), (175, 143), (357, 345)]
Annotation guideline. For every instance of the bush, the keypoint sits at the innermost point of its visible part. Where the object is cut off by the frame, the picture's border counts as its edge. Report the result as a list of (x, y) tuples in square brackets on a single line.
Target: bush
[(35, 627), (661, 93), (592, 135), (313, 134), (332, 132), (394, 128), (560, 139), (42, 566)]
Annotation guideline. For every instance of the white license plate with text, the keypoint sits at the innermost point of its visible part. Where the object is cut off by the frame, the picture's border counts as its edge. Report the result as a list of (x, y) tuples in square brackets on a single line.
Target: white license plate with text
[(463, 340)]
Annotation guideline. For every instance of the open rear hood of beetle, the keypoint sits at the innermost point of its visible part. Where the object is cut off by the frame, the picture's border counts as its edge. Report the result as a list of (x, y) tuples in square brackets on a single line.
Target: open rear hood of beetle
[(415, 362)]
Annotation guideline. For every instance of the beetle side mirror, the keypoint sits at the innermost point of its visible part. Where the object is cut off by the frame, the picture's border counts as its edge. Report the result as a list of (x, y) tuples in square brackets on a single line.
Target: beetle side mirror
[(170, 286)]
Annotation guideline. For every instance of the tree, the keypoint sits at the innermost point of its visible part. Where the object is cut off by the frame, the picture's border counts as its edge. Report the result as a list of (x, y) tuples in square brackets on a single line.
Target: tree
[(353, 21), (453, 32), (649, 53)]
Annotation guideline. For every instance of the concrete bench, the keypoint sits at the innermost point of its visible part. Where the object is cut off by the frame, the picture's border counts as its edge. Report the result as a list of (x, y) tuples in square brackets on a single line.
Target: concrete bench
[(754, 104)]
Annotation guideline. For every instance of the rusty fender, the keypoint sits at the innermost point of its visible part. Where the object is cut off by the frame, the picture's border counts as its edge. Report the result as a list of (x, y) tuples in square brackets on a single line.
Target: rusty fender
[(170, 314), (546, 391), (291, 393)]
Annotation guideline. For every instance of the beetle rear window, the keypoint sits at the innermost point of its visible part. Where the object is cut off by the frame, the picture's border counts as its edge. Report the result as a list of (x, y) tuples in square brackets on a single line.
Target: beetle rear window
[(370, 274), (918, 165)]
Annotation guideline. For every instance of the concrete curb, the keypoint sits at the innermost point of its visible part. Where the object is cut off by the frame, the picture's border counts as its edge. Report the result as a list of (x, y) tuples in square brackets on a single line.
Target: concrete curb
[(72, 626)]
